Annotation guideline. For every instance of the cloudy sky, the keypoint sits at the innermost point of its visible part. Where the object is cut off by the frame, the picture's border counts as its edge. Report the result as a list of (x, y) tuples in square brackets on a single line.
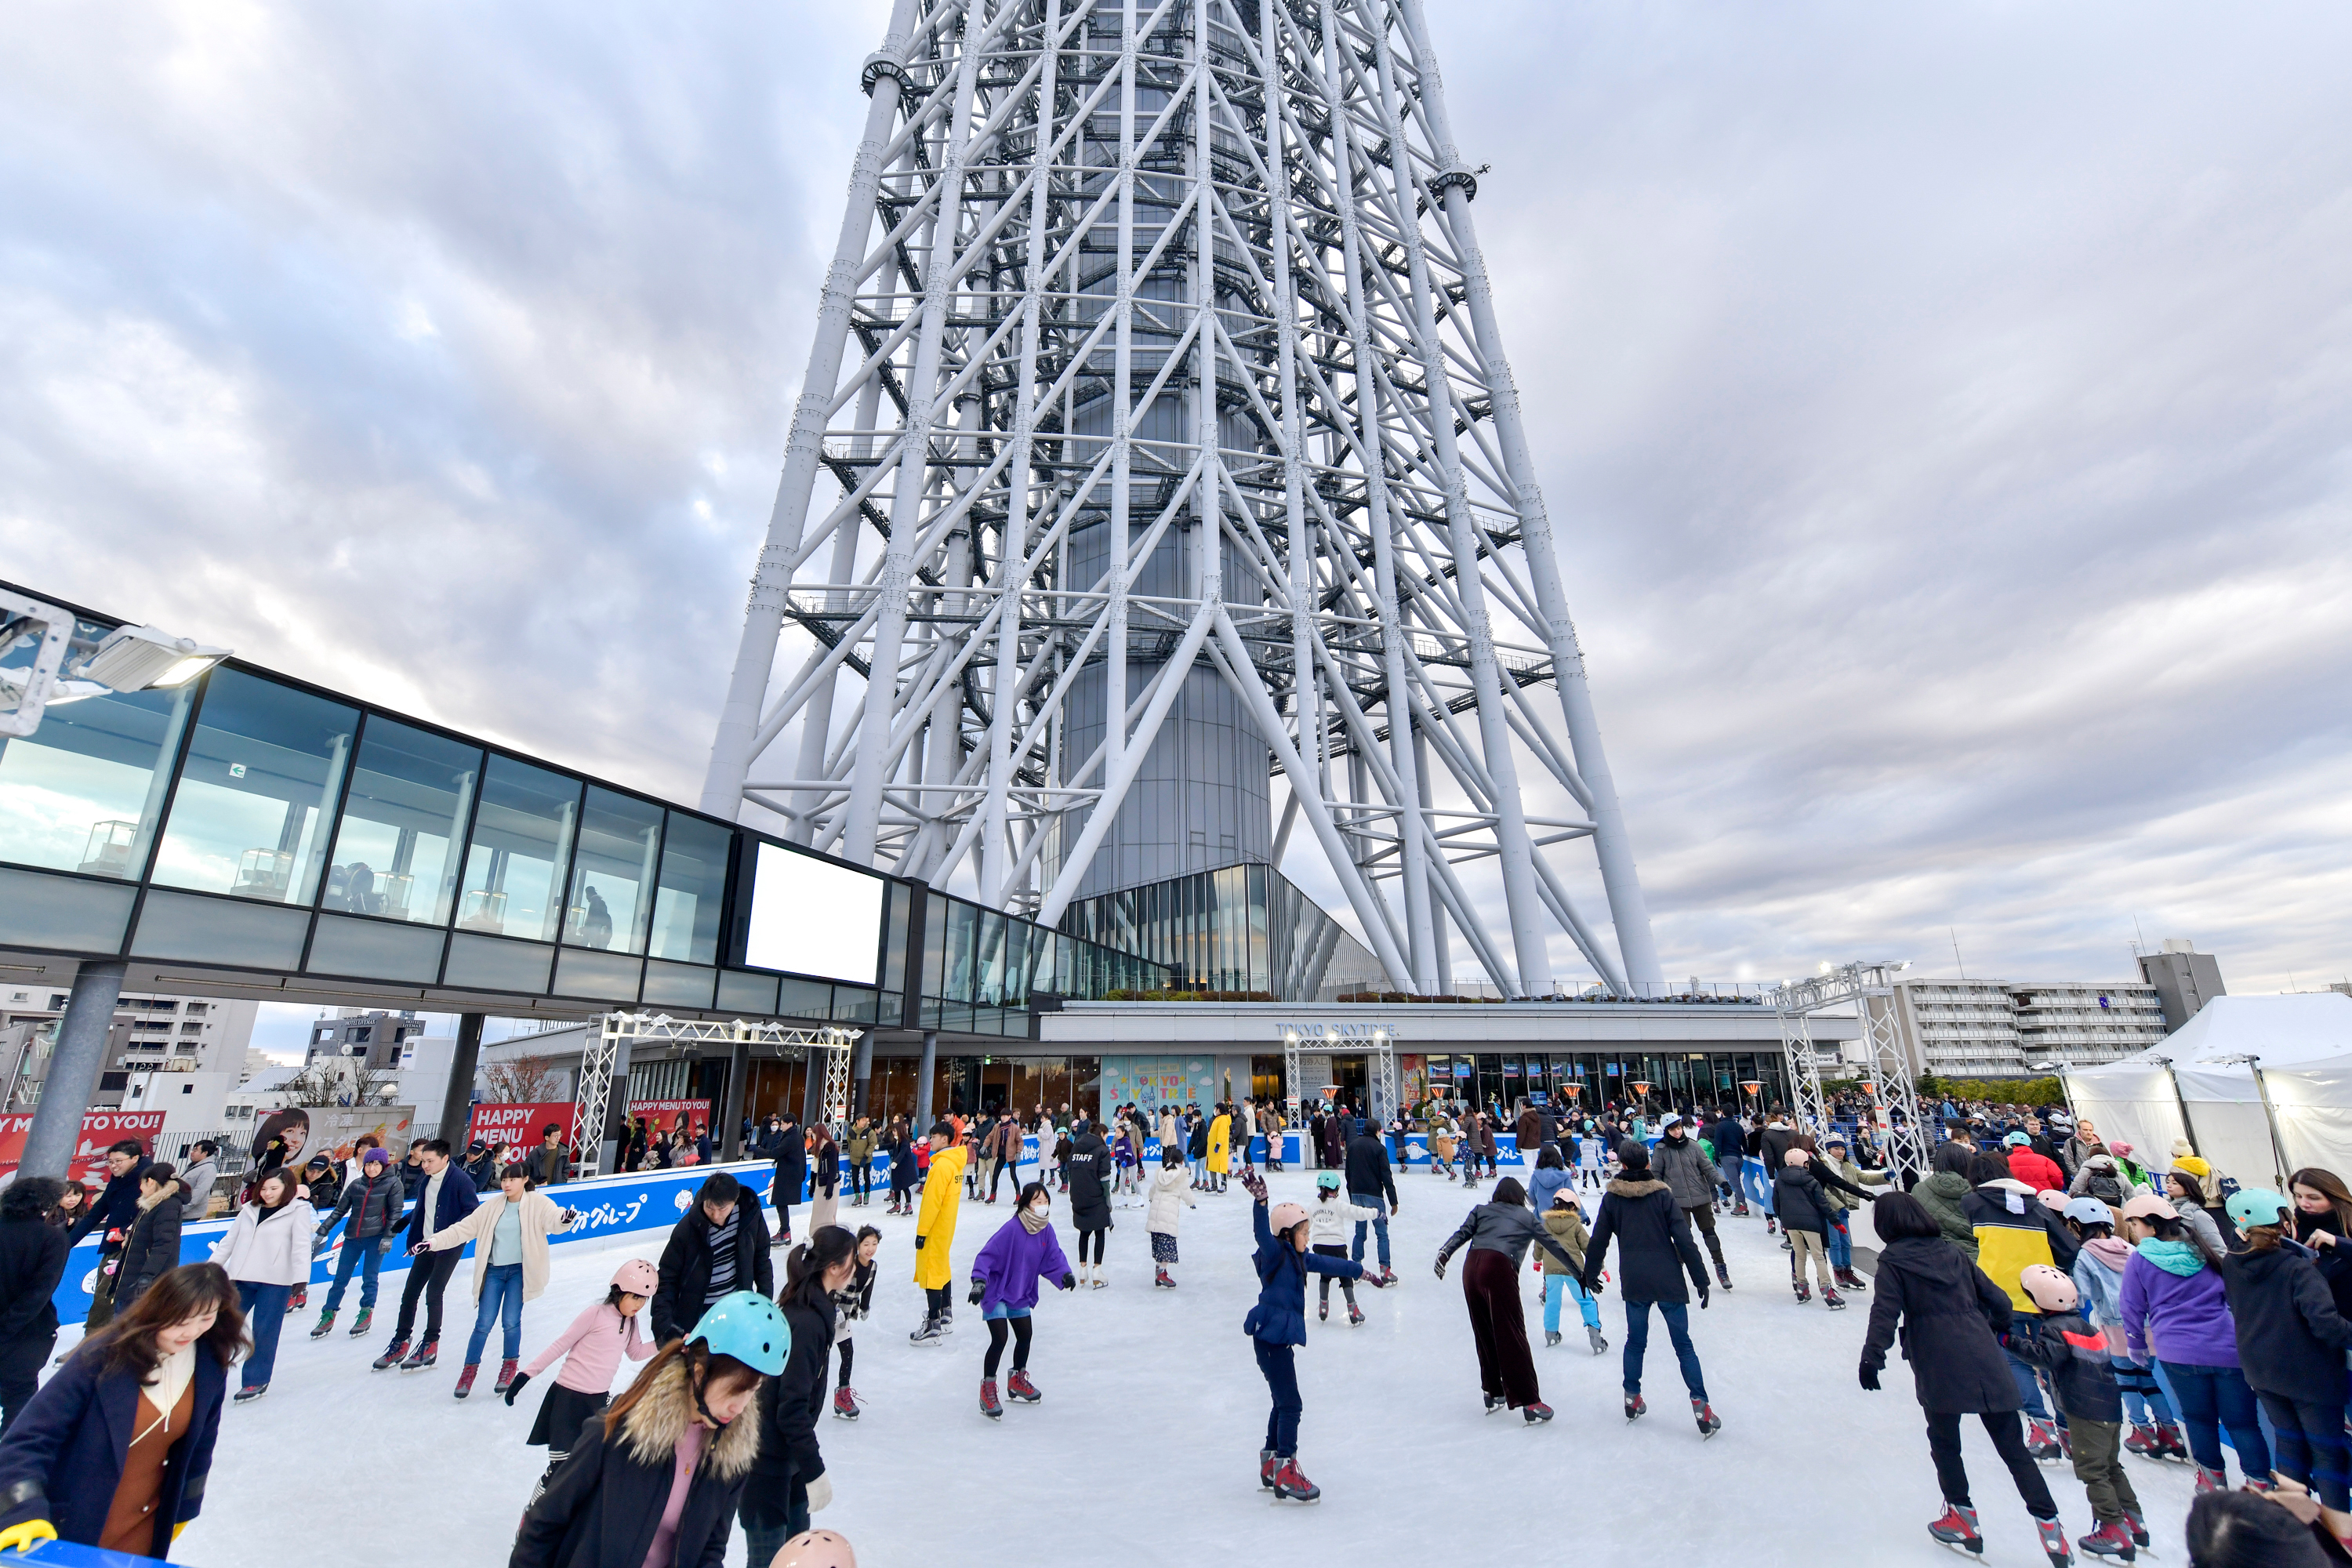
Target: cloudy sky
[(1945, 411)]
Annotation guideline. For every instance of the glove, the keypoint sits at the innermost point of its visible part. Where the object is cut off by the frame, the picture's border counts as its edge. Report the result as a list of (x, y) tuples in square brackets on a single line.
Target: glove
[(516, 1386), (25, 1536), (1869, 1377), (1441, 1269), (1702, 1301), (918, 1244), (820, 1494), (979, 1289), (321, 1234), (1069, 1280), (1253, 1185), (383, 1247)]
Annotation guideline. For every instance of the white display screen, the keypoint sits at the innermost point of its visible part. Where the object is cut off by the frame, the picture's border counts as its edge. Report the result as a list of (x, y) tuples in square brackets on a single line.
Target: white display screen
[(812, 917)]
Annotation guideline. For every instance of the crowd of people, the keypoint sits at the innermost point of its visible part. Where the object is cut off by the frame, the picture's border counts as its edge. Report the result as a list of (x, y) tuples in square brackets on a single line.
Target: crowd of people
[(2091, 1307)]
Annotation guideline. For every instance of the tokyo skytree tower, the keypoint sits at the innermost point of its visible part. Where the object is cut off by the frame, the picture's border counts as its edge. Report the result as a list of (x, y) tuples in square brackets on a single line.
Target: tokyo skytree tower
[(1171, 448)]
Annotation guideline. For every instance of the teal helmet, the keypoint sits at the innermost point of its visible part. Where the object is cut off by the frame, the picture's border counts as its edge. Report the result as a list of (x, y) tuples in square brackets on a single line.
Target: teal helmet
[(2256, 1205), (746, 1325), (1326, 1181)]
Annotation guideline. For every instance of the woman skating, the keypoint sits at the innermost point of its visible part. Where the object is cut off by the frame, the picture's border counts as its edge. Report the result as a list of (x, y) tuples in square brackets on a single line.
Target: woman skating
[(510, 1266), (1277, 1326), (1004, 1288), (852, 1304), (654, 1482), (2322, 1221), (1947, 1313), (2174, 1310), (788, 1483), (2291, 1345), (1565, 1220), (592, 1349), (1167, 1202), (1499, 1234), (268, 1253), (152, 1245), (1088, 1172), (935, 1232), (1330, 1221)]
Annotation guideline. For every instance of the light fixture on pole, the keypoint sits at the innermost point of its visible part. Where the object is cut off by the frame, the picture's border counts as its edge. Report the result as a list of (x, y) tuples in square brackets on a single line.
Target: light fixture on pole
[(142, 658), (44, 663)]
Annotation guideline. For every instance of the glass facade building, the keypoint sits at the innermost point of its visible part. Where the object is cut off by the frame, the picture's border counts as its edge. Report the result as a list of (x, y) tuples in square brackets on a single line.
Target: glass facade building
[(1240, 928), (248, 823)]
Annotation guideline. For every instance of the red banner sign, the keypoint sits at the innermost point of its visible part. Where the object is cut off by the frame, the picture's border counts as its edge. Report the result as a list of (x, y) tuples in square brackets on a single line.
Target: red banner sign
[(519, 1126), (673, 1116), (98, 1129)]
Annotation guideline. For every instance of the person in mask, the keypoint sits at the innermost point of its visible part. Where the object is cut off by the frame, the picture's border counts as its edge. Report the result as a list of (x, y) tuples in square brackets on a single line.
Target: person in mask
[(1004, 1288)]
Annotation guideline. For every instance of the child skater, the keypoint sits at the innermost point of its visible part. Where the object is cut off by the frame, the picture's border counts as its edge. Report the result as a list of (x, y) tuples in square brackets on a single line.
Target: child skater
[(1004, 1288), (851, 1302), (2073, 1356), (1278, 1325), (2098, 1276), (592, 1349), (1329, 1223), (1168, 1201), (1565, 1221)]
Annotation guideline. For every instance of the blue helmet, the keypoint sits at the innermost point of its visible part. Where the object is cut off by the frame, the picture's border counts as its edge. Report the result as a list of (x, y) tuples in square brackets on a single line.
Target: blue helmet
[(747, 1326), (1328, 1181)]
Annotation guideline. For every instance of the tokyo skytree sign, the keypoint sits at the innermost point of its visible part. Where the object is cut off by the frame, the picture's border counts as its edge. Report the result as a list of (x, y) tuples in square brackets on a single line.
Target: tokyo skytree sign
[(1169, 448)]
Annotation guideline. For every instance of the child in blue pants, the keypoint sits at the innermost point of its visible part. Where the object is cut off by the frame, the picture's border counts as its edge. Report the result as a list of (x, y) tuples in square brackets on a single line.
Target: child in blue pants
[(1277, 1326), (1565, 1221)]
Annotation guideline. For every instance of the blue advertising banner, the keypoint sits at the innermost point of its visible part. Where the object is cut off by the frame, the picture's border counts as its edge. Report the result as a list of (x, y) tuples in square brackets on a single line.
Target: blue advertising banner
[(608, 1206)]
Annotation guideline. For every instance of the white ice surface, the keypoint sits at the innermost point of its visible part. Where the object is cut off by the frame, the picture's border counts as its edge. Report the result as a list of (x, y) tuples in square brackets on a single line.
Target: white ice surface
[(1147, 1441)]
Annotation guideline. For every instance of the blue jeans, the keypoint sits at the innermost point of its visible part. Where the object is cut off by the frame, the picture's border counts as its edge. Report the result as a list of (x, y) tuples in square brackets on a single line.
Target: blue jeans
[(2212, 1397), (1841, 1240), (1637, 1340), (369, 1254), (502, 1299), (1379, 1223), (264, 1307), (2143, 1399), (1558, 1285), (1281, 1371)]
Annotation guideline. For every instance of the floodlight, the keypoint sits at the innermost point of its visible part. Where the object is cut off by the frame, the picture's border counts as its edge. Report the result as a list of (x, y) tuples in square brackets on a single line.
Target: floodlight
[(141, 659)]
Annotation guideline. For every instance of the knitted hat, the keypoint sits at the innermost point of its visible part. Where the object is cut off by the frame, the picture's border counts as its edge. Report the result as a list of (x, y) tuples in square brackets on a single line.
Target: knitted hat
[(374, 1157), (2179, 1147)]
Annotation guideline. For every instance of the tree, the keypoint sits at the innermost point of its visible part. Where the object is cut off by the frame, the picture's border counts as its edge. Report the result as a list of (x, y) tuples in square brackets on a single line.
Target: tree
[(341, 1081), (519, 1080)]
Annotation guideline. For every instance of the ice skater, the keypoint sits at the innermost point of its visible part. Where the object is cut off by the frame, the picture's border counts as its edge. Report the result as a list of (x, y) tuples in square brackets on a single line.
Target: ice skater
[(1330, 1221), (2291, 1345), (1004, 1288), (2073, 1356), (1088, 1173), (1167, 1204), (1565, 1220), (851, 1305), (592, 1350), (1277, 1326), (935, 1233), (1499, 1234), (511, 1265), (1655, 1249)]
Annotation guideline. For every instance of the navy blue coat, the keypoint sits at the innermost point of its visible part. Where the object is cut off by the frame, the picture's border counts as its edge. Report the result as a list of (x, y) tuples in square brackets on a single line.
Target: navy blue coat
[(63, 1459), (1280, 1316), (459, 1201), (117, 1207)]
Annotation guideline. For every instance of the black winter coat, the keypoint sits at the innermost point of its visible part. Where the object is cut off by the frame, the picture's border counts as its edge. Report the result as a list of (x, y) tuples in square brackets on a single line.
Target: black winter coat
[(1772, 1145), (1798, 1201), (602, 1507), (791, 1155), (1088, 1169), (678, 1299), (789, 1406), (1948, 1313), (63, 1459), (2074, 1354), (2334, 1263), (152, 1246), (32, 1261), (117, 1207), (2291, 1339), (1368, 1168), (1653, 1237)]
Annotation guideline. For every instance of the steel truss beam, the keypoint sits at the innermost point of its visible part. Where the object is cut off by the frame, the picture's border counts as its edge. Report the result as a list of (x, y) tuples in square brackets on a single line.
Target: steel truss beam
[(592, 1099), (1869, 988), (1135, 281)]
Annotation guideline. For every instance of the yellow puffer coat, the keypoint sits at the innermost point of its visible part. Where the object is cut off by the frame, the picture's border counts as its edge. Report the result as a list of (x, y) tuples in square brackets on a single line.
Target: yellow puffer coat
[(943, 1201), (1221, 1133)]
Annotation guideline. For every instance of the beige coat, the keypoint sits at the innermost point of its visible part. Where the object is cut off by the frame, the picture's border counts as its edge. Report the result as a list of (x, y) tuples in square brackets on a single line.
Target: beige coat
[(540, 1217)]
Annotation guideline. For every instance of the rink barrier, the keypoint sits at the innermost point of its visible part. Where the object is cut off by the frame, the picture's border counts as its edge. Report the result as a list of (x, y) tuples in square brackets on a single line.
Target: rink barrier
[(607, 1205)]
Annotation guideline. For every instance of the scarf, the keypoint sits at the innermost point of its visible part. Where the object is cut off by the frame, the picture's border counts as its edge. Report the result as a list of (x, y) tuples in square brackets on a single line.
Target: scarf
[(2176, 1257), (1033, 1223), (163, 1387)]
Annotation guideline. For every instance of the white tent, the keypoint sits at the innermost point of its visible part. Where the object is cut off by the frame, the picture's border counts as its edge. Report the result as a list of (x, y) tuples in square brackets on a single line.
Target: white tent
[(2201, 1081)]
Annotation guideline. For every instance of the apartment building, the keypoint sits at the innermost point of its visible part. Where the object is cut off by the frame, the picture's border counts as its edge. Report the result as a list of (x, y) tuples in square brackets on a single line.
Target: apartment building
[(2003, 1028), (151, 1034)]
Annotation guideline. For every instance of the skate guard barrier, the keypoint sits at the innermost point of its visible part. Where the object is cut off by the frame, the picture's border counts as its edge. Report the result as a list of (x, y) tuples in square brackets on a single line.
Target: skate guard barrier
[(607, 1205)]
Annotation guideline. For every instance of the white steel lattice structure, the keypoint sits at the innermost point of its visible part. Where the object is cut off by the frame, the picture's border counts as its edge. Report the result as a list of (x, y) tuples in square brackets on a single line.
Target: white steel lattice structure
[(1197, 277), (599, 1061), (1869, 988)]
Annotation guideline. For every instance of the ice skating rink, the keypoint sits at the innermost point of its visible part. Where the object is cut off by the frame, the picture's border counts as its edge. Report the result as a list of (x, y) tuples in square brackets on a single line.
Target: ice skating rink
[(1145, 1447)]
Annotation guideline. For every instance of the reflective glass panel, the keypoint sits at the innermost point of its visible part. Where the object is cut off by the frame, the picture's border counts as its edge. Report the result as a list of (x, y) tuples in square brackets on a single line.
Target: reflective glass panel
[(516, 861), (396, 847), (249, 816), (84, 792), (619, 839), (693, 888)]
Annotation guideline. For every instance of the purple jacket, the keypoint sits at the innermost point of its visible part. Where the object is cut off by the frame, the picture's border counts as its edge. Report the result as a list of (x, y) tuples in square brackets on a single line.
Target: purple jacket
[(2185, 1319), (1011, 1262)]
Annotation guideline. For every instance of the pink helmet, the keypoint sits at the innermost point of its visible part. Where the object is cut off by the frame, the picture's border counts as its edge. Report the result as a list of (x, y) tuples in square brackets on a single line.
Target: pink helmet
[(2052, 1199), (1796, 1155), (2048, 1288), (1286, 1217), (812, 1549), (637, 1277)]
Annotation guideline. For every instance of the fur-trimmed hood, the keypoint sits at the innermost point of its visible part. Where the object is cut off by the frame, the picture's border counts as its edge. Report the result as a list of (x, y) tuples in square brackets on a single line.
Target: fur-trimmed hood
[(1631, 1189), (651, 1429)]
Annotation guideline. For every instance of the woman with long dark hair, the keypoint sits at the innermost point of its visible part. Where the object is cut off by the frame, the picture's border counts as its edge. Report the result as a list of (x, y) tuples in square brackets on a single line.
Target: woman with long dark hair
[(113, 1451), (2176, 1311), (2322, 1220), (267, 1252), (655, 1480), (1498, 1235), (787, 1482)]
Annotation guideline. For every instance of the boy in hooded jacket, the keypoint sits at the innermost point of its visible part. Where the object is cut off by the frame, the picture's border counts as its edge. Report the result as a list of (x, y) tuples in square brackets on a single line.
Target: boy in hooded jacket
[(2098, 1276), (1277, 1326), (2073, 1356)]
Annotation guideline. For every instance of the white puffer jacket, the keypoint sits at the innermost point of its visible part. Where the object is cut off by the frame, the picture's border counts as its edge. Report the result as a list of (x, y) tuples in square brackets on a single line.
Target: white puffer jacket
[(1168, 1186), (1331, 1222), (272, 1252)]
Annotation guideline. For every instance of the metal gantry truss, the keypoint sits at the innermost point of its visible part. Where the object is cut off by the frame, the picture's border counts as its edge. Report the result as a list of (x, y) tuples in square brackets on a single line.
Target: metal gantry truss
[(592, 1099), (1869, 989), (1379, 1050), (1199, 277)]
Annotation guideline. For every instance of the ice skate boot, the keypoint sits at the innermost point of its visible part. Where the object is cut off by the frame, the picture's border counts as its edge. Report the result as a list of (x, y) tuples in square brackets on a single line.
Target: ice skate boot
[(988, 1405), (1770, 1224), (326, 1324), (1018, 1386), (1268, 1463), (1709, 1423), (2138, 1526), (1322, 1312), (929, 1334), (2211, 1480), (1161, 1278), (367, 1315), (1535, 1412), (2053, 1543), (390, 1358), (466, 1379), (248, 1395), (1851, 1281), (1723, 1275), (1740, 1212), (506, 1376), (1635, 1407), (1495, 1402), (844, 1404), (1288, 1483), (2143, 1439), (2176, 1446), (1388, 1277), (1600, 1343), (299, 1300), (1355, 1315), (2041, 1441), (1551, 1338), (1958, 1530), (2260, 1486), (422, 1356), (2108, 1540), (1833, 1301), (1804, 1292)]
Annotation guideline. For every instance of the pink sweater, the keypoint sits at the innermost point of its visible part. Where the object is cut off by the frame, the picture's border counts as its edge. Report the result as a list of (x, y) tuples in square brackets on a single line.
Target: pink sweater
[(596, 1339)]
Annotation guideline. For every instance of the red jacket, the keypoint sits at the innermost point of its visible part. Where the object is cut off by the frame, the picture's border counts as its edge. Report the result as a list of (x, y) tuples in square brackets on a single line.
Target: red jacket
[(2027, 1165)]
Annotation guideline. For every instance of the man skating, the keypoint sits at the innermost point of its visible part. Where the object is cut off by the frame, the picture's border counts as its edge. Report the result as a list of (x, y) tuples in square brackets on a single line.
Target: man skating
[(935, 1226)]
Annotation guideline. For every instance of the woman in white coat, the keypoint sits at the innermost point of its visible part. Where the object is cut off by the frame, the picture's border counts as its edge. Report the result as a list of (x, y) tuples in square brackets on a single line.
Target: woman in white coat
[(511, 1264), (1169, 1196), (267, 1253)]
